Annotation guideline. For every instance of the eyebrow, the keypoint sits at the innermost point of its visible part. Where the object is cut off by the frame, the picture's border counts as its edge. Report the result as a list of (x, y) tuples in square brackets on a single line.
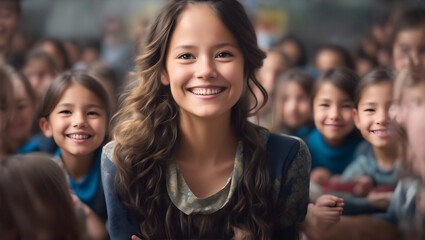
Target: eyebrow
[(220, 45), (369, 104), (88, 106)]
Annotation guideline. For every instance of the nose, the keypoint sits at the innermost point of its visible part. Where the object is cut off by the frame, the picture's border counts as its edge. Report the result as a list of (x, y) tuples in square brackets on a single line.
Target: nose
[(382, 117), (206, 68), (79, 120), (334, 113)]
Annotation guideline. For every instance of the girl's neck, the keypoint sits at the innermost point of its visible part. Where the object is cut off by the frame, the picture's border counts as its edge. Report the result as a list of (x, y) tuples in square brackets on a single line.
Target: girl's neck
[(386, 156), (206, 140), (334, 142), (77, 166)]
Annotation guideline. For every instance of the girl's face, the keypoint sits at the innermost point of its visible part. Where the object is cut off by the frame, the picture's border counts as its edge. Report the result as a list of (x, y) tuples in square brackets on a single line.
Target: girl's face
[(327, 59), (204, 65), (332, 113), (294, 105), (371, 116), (415, 124), (38, 73), (410, 43), (21, 122), (77, 123)]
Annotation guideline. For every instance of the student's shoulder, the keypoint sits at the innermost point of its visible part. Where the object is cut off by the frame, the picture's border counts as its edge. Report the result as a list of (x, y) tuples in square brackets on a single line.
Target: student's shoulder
[(285, 149), (107, 151)]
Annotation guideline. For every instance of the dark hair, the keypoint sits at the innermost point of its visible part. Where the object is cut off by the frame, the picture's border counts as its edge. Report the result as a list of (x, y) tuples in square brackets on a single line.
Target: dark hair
[(373, 77), (341, 77), (148, 130), (62, 82), (35, 201), (302, 61), (342, 51), (410, 19)]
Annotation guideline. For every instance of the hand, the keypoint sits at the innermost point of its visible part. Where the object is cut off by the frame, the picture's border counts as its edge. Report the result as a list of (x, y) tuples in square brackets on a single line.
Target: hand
[(134, 237), (323, 215)]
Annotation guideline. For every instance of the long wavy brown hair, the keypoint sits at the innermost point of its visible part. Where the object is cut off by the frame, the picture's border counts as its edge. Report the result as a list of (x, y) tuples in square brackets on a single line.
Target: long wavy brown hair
[(147, 132)]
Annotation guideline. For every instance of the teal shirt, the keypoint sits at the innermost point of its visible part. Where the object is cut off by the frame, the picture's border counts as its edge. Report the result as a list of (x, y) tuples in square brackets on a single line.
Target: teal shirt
[(336, 159)]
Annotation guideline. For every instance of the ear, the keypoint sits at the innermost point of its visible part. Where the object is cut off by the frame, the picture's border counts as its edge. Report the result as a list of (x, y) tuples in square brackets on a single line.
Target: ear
[(45, 127), (165, 80), (356, 118)]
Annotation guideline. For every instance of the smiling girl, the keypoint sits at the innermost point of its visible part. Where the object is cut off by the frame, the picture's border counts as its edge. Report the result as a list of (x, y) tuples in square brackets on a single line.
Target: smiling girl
[(75, 113), (186, 163), (332, 143)]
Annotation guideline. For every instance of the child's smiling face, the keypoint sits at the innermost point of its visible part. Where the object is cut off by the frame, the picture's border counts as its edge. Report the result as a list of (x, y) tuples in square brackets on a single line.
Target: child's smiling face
[(77, 123), (332, 111), (372, 116)]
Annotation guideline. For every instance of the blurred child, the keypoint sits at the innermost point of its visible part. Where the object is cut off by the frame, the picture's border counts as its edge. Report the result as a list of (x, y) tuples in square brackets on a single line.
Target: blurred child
[(6, 100), (409, 41), (275, 63), (332, 143), (21, 131), (40, 71), (292, 105), (75, 112), (35, 202), (330, 56), (294, 49), (56, 51), (10, 13)]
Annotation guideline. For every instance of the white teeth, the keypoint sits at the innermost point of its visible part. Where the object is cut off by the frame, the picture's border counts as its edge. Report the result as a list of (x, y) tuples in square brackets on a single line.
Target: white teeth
[(379, 132), (78, 136), (206, 91)]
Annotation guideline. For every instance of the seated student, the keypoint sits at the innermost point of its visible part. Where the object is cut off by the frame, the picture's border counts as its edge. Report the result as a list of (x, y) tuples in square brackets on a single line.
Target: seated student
[(376, 157), (35, 201), (333, 142), (75, 112), (291, 104), (21, 131)]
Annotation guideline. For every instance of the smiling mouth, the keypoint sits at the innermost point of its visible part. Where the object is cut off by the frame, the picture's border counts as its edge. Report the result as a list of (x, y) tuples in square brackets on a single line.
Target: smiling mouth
[(381, 132), (206, 91), (78, 136)]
